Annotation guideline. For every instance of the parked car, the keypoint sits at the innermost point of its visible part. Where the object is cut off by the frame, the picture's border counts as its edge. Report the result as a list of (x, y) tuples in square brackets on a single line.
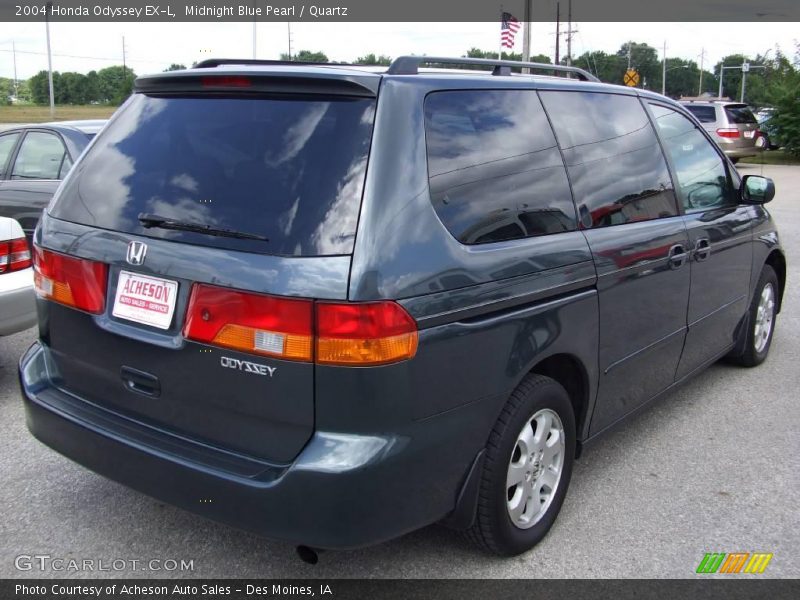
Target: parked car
[(17, 302), (33, 161), (770, 135), (731, 124), (278, 298)]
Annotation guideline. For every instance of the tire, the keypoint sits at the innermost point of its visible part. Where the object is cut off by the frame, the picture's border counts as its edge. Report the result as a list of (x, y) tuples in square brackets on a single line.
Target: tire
[(494, 529), (761, 314)]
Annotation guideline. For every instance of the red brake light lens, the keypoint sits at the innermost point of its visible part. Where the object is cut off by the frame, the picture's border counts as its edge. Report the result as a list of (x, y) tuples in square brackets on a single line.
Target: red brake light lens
[(728, 132), (370, 333), (14, 255), (255, 323), (70, 281), (227, 81)]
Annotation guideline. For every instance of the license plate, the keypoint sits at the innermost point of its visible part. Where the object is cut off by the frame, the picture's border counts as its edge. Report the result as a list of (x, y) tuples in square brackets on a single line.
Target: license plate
[(749, 134), (145, 299)]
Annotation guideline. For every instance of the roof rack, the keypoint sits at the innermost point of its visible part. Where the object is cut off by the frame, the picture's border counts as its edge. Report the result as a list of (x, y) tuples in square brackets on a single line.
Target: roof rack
[(211, 63), (409, 65)]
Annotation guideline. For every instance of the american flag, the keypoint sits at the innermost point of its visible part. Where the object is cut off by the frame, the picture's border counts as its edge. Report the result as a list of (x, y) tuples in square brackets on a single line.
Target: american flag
[(508, 30)]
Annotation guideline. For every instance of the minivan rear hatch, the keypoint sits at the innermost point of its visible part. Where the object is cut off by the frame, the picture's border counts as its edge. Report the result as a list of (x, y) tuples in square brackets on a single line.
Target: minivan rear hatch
[(239, 190)]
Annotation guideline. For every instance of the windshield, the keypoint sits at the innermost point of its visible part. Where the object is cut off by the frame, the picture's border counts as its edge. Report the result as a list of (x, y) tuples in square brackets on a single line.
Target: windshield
[(288, 168)]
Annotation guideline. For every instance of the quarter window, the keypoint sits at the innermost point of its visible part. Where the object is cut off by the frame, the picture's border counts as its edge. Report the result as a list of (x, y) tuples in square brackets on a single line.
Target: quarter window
[(7, 143), (615, 163), (41, 156), (494, 167), (699, 169)]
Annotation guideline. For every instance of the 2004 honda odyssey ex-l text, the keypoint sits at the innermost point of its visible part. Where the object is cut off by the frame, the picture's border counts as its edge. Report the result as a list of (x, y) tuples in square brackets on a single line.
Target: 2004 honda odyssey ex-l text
[(341, 303)]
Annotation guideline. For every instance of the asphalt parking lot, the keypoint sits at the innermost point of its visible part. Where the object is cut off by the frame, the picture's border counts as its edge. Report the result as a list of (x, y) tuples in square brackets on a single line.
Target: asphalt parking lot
[(713, 467)]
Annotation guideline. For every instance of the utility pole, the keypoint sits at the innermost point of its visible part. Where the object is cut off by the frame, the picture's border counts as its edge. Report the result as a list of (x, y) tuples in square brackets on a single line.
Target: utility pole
[(630, 44), (48, 8), (664, 70), (289, 33), (721, 72), (702, 56), (558, 27), (526, 35), (14, 54), (569, 33), (254, 30), (124, 63)]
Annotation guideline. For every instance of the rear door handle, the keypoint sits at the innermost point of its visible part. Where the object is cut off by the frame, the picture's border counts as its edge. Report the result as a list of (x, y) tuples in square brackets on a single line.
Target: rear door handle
[(677, 256), (702, 249), (140, 382)]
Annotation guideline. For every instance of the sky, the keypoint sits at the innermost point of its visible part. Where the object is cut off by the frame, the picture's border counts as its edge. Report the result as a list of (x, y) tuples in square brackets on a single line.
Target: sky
[(151, 47)]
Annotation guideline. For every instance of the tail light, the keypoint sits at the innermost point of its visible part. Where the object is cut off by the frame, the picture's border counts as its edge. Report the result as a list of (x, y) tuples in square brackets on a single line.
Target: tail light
[(226, 81), (71, 281), (14, 255), (370, 333), (281, 327), (728, 132)]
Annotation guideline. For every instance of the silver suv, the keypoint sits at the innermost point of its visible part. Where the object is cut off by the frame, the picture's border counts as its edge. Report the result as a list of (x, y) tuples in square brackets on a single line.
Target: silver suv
[(731, 124)]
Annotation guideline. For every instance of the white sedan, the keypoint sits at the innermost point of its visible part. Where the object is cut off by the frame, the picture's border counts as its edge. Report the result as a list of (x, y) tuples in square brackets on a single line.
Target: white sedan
[(17, 304)]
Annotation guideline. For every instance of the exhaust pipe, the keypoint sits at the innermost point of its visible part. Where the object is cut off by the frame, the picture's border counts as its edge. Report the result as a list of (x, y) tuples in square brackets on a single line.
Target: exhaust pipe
[(308, 555)]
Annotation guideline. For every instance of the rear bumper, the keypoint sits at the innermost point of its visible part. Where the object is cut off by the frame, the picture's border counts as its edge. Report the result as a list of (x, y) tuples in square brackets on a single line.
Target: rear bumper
[(742, 152), (342, 491), (17, 302)]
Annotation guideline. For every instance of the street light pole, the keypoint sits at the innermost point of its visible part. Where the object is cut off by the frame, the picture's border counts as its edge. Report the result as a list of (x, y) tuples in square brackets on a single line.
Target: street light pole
[(48, 8), (664, 70)]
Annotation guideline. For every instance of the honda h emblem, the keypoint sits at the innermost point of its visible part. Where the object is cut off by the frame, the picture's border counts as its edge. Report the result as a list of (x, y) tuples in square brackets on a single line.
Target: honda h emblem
[(136, 252)]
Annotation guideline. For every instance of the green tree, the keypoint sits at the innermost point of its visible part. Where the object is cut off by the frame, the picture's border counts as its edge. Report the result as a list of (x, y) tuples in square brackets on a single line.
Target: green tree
[(6, 90), (307, 56), (39, 89), (72, 89), (784, 95), (115, 84), (175, 67), (644, 59), (371, 59)]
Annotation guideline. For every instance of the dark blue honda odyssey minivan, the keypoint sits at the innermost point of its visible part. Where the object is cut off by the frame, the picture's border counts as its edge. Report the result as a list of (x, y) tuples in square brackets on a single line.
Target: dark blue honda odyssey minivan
[(334, 304)]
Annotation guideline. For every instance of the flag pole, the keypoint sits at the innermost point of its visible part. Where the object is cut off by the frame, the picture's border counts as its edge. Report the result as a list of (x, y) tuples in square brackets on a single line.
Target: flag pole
[(500, 48)]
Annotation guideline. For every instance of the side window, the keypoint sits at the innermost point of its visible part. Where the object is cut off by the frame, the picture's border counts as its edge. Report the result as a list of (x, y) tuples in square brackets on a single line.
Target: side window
[(7, 143), (699, 169), (494, 167), (41, 156), (615, 163)]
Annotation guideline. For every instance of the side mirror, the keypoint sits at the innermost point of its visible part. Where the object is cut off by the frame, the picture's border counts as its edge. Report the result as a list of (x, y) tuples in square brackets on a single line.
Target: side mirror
[(757, 190)]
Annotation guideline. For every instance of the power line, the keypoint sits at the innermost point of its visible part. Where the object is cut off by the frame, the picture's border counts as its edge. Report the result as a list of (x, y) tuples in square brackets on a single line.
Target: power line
[(110, 59)]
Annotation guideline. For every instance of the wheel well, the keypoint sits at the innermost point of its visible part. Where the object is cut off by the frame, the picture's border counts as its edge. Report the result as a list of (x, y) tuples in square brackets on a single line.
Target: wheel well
[(569, 372), (777, 261)]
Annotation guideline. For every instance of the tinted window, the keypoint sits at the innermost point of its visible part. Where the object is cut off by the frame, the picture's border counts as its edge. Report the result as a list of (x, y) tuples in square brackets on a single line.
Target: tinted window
[(701, 173), (41, 156), (7, 143), (494, 166), (616, 165), (740, 114), (704, 114), (289, 168)]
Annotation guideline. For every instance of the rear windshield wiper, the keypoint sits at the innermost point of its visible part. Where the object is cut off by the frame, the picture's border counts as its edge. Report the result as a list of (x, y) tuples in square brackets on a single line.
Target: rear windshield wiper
[(148, 221)]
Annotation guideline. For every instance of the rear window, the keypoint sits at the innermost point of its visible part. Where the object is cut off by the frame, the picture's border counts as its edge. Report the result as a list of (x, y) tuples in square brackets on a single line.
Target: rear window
[(704, 114), (288, 168), (740, 114)]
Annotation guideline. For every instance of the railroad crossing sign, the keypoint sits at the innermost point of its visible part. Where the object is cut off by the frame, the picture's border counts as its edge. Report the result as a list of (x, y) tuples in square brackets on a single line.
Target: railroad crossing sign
[(631, 78)]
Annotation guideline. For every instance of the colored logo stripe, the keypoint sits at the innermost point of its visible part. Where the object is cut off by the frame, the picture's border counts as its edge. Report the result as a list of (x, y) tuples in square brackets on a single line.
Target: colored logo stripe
[(758, 563), (734, 561)]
